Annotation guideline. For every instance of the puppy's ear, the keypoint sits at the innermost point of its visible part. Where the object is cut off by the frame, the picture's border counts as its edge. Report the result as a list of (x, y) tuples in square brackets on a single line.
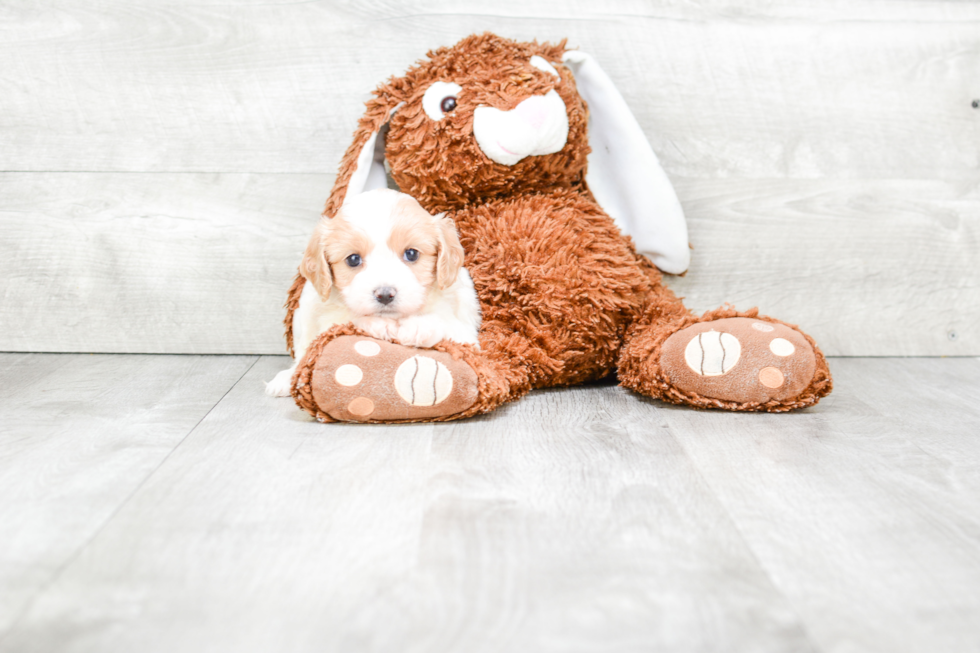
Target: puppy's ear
[(315, 266), (362, 168), (450, 257)]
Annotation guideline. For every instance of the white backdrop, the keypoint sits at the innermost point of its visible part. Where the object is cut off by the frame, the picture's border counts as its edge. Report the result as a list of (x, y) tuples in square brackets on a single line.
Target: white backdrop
[(162, 163)]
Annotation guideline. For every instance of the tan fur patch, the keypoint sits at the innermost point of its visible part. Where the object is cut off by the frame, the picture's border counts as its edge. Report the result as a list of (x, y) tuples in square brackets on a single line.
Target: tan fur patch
[(343, 241), (415, 229), (323, 263)]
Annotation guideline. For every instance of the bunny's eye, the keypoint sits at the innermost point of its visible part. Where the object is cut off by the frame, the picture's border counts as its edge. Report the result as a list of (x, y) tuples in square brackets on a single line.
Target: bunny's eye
[(440, 99)]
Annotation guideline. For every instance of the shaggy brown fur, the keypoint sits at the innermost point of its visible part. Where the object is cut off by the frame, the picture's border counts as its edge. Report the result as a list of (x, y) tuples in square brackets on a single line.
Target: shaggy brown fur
[(565, 297), (497, 381), (639, 365)]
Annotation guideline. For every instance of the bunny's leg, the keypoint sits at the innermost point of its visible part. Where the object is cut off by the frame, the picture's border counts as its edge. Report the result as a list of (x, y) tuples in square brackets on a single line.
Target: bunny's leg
[(724, 359), (351, 377)]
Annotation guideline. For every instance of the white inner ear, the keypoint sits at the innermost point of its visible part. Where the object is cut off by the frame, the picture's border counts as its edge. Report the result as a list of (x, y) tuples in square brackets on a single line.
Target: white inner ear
[(624, 174), (435, 94), (542, 64), (370, 171)]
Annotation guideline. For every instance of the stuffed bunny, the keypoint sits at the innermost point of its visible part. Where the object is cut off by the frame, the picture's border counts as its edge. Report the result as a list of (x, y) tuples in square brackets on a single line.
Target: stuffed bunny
[(567, 221)]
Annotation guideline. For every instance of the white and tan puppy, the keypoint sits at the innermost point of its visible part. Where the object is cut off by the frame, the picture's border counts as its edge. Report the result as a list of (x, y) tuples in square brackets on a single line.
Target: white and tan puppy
[(389, 267)]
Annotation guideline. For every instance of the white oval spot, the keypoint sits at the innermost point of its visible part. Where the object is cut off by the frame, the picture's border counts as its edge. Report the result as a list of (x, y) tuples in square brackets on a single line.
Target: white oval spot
[(435, 94), (367, 348), (781, 347), (762, 326), (542, 64), (712, 353), (348, 375), (423, 381)]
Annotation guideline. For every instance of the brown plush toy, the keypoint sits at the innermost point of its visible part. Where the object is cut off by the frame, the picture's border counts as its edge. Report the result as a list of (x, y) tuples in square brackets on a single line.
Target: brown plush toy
[(565, 217)]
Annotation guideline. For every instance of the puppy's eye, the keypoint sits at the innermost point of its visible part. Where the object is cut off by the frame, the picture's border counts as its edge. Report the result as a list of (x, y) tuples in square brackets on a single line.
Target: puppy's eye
[(353, 260), (411, 255), (440, 99)]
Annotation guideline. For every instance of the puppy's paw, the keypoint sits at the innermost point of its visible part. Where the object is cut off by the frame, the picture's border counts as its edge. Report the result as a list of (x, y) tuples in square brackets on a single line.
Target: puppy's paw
[(282, 384), (418, 333), (377, 327)]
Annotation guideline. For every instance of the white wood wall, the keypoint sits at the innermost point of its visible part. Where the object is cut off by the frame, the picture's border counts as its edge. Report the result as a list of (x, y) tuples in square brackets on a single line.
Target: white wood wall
[(162, 163)]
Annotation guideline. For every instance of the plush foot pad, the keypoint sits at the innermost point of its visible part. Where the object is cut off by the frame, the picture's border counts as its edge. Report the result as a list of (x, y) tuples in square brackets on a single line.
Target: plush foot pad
[(739, 359), (360, 379)]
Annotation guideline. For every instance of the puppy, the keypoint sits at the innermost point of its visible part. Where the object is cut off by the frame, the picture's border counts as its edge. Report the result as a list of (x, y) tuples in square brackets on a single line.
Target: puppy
[(389, 267)]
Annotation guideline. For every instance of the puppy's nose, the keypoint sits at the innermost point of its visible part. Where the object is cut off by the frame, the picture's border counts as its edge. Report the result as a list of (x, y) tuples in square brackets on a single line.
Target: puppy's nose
[(385, 294)]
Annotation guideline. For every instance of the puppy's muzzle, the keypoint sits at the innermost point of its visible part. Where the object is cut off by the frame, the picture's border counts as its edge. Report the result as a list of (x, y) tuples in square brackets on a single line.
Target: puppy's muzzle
[(385, 295)]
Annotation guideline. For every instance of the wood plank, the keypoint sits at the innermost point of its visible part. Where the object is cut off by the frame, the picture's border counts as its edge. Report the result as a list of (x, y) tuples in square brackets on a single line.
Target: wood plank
[(722, 89), (868, 267), (864, 509), (171, 263), (569, 521), (78, 434), (158, 263)]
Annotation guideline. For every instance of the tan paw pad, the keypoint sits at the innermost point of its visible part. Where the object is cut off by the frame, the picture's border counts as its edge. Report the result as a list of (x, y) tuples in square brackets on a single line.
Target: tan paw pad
[(739, 359), (362, 407), (362, 379), (771, 377)]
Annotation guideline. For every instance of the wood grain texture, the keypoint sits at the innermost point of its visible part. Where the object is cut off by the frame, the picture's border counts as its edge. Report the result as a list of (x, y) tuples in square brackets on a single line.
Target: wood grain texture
[(826, 155), (869, 268), (570, 521), (160, 263), (199, 263), (582, 519), (863, 510), (78, 434), (722, 89)]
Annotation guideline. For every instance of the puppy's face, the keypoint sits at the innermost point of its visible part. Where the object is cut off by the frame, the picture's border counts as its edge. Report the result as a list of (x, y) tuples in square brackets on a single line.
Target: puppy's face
[(383, 253)]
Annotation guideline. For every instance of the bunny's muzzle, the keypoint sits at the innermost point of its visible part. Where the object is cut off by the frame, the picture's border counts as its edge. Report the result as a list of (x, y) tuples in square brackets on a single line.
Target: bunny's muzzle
[(536, 126)]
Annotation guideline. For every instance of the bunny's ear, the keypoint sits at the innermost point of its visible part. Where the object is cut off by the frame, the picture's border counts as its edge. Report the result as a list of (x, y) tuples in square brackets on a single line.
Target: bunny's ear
[(362, 167), (624, 174)]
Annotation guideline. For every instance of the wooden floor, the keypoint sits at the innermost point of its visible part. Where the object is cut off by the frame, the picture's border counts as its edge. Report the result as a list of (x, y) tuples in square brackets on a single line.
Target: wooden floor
[(164, 503)]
